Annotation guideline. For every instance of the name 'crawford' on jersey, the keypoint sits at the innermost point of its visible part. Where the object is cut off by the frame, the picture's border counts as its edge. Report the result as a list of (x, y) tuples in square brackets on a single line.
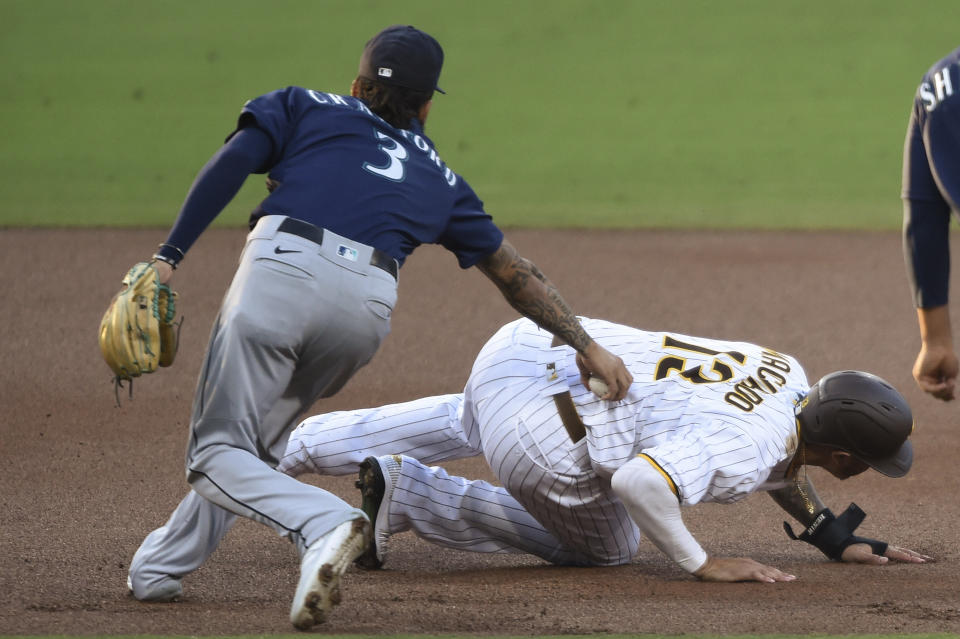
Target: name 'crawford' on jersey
[(407, 195)]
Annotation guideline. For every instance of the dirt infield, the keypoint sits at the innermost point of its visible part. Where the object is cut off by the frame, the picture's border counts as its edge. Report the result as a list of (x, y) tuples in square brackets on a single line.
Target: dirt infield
[(84, 481)]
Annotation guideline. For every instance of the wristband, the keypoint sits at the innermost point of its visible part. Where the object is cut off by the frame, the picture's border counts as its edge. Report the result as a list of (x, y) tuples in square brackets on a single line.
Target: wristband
[(169, 253), (164, 258), (831, 535)]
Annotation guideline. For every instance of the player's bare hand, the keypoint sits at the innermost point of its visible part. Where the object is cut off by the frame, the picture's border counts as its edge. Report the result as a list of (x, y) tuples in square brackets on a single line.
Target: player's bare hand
[(862, 554), (906, 555), (164, 271), (936, 370), (596, 361), (740, 569)]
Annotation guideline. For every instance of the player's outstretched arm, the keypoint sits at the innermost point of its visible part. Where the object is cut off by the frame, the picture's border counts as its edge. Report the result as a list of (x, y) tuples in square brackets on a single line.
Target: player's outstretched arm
[(834, 535), (528, 290), (653, 505), (246, 152)]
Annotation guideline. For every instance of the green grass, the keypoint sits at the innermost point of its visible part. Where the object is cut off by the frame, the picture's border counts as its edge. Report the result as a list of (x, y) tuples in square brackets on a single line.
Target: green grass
[(612, 113)]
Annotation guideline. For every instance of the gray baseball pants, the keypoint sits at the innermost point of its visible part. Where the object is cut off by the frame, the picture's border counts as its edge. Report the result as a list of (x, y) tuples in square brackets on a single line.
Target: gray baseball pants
[(298, 320)]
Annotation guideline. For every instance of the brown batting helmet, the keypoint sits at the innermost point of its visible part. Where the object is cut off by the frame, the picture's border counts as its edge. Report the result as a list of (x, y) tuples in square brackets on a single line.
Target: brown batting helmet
[(863, 415)]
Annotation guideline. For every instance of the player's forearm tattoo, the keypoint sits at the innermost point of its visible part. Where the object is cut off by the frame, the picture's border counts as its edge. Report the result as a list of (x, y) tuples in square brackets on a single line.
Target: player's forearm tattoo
[(529, 291), (799, 500)]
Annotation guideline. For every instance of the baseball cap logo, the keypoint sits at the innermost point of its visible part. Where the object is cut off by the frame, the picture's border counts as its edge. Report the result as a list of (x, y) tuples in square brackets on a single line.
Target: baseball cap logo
[(404, 56)]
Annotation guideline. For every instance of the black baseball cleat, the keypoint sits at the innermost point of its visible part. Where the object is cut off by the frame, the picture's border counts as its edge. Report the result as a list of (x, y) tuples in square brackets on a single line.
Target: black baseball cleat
[(378, 478)]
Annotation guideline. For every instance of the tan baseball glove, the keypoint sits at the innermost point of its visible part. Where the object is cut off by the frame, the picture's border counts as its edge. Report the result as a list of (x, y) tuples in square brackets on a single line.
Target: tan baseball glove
[(137, 333)]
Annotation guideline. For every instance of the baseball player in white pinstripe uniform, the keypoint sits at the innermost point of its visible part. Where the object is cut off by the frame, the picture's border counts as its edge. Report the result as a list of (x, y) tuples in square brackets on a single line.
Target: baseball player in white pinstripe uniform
[(582, 478)]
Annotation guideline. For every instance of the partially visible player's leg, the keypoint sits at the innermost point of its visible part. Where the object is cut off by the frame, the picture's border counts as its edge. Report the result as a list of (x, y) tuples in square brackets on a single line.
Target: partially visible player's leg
[(560, 489), (260, 374), (464, 514), (177, 548), (262, 369), (428, 429), (529, 450)]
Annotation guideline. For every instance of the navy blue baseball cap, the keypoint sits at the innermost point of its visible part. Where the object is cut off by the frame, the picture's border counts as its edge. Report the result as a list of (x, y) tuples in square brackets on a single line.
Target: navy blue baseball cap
[(404, 56)]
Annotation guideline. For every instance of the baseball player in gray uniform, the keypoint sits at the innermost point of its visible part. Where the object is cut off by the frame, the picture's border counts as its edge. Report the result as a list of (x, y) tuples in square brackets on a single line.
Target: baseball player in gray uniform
[(355, 186), (583, 478)]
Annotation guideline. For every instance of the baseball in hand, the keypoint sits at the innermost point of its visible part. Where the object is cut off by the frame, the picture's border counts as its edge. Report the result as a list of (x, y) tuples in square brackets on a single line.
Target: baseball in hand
[(598, 386)]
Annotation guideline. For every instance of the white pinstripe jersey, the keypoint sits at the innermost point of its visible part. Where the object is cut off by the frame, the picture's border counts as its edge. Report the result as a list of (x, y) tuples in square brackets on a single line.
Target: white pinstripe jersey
[(716, 416)]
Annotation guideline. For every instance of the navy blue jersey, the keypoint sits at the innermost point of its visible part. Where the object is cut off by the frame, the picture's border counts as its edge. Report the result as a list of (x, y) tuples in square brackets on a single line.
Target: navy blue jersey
[(343, 168), (931, 180)]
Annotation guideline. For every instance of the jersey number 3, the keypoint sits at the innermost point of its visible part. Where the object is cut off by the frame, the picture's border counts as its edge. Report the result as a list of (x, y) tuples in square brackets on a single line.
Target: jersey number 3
[(396, 155)]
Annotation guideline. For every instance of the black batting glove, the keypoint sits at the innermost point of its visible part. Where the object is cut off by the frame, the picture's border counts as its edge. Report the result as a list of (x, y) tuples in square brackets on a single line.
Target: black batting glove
[(831, 535)]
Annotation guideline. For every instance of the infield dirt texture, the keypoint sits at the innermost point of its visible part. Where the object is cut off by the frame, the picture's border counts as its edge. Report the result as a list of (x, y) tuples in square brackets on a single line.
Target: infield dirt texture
[(629, 115), (84, 481)]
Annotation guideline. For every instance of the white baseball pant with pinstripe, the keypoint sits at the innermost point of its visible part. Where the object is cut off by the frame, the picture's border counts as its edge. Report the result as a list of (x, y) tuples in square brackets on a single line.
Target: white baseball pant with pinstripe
[(716, 417)]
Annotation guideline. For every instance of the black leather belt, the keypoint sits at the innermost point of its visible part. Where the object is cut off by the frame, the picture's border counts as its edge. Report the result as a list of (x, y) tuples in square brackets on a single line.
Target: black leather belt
[(568, 410), (310, 232), (569, 416)]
